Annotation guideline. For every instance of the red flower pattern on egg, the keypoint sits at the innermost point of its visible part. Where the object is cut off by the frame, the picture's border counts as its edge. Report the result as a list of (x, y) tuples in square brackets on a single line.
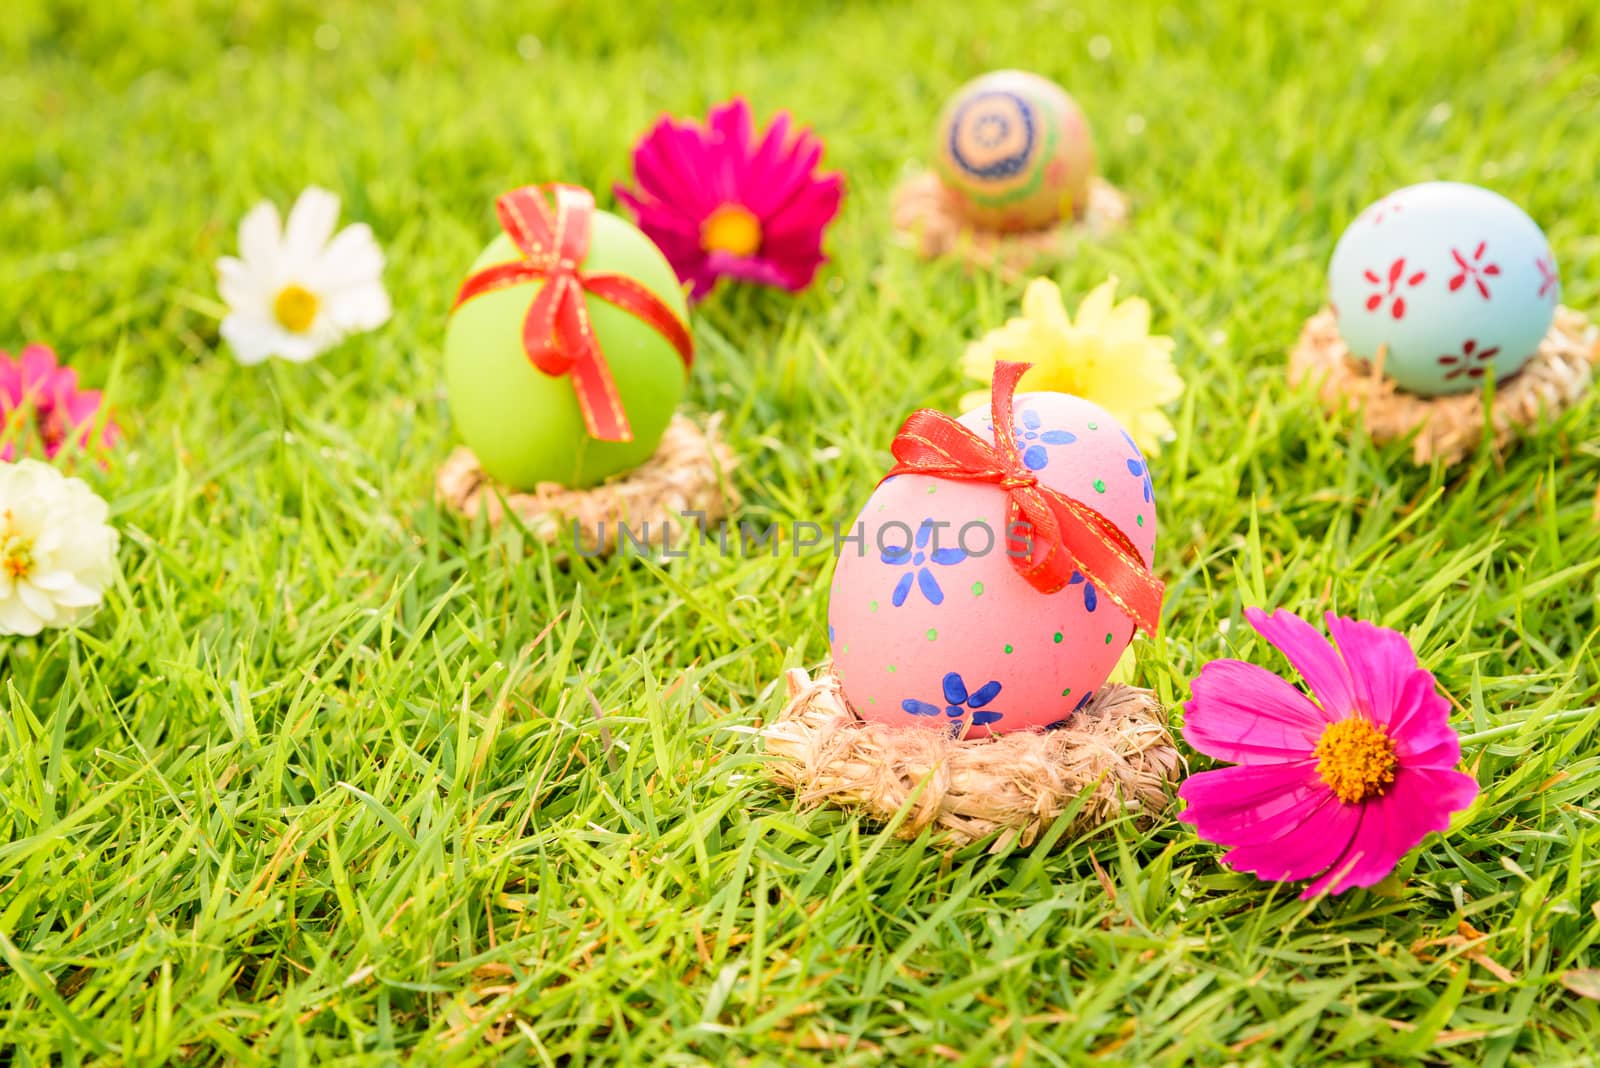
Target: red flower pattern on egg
[(1471, 361), (1548, 278), (1396, 278), (1474, 270), (1458, 263), (1386, 208)]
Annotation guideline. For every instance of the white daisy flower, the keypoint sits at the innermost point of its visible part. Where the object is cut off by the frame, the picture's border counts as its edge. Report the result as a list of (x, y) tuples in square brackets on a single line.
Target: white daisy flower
[(293, 292), (57, 553)]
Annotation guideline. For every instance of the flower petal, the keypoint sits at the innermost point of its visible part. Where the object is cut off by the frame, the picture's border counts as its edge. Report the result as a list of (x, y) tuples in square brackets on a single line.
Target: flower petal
[(364, 308), (15, 618), (1248, 715), (252, 337), (303, 348), (311, 223), (796, 229), (1419, 802), (687, 158), (243, 288), (1303, 843), (1394, 691), (1280, 828), (75, 594), (10, 381), (1312, 656), (1095, 310), (1423, 737), (1380, 662), (353, 259), (746, 269), (657, 162), (1042, 304), (259, 235), (1238, 806), (809, 201), (1130, 319), (37, 601), (39, 370), (729, 126)]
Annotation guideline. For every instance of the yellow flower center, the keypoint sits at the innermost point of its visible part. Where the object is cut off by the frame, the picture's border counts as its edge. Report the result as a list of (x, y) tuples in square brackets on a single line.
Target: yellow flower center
[(732, 228), (1356, 759), (16, 557), (296, 308)]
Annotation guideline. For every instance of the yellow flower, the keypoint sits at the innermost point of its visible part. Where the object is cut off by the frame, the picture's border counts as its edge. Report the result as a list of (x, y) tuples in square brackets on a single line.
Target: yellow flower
[(1107, 356)]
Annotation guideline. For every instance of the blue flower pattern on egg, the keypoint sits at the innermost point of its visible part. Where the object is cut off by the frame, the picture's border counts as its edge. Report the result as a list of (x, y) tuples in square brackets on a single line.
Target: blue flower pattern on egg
[(918, 572), (1139, 469), (1031, 439), (960, 705), (1091, 599)]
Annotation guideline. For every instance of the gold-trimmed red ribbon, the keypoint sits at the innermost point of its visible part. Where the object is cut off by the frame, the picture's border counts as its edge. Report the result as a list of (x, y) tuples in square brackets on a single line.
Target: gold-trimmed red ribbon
[(556, 333), (1064, 535)]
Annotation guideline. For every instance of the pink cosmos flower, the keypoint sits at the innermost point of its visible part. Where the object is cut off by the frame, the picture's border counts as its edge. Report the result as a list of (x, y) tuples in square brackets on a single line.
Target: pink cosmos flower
[(719, 203), (40, 397), (1335, 789)]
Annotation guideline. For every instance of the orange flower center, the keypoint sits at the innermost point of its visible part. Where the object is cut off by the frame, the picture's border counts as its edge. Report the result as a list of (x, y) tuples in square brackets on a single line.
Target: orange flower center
[(732, 228), (296, 308), (16, 557), (1356, 759)]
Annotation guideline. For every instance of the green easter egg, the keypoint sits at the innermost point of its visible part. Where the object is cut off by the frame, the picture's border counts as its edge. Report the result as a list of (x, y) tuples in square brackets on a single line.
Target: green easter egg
[(525, 426)]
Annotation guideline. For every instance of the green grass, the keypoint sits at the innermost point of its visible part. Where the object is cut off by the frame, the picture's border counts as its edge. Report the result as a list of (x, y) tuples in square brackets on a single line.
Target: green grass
[(324, 780)]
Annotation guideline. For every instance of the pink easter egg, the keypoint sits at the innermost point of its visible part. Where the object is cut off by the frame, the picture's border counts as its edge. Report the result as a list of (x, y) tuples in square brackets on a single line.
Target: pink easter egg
[(929, 622)]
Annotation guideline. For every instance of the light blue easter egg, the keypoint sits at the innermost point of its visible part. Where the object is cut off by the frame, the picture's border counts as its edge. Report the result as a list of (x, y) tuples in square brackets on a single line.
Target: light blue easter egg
[(1453, 282)]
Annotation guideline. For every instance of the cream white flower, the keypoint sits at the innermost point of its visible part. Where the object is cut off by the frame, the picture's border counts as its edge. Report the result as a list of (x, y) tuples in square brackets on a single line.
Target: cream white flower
[(296, 291), (57, 553)]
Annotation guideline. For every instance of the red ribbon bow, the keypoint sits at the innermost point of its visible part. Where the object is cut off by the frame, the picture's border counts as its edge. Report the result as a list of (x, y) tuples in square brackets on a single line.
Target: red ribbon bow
[(557, 334), (1066, 535)]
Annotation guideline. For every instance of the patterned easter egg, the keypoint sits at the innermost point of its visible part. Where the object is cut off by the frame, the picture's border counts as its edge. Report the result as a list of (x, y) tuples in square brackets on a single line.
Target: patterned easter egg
[(1454, 283), (526, 426), (1015, 151), (929, 622)]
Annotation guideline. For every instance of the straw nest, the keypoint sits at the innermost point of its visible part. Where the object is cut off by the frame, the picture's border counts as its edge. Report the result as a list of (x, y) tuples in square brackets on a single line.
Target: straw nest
[(1448, 428), (927, 213), (664, 501), (1113, 757)]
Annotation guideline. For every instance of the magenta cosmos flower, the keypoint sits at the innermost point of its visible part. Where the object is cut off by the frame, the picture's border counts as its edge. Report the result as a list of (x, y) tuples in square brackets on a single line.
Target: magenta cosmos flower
[(1337, 787), (718, 202), (39, 398)]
